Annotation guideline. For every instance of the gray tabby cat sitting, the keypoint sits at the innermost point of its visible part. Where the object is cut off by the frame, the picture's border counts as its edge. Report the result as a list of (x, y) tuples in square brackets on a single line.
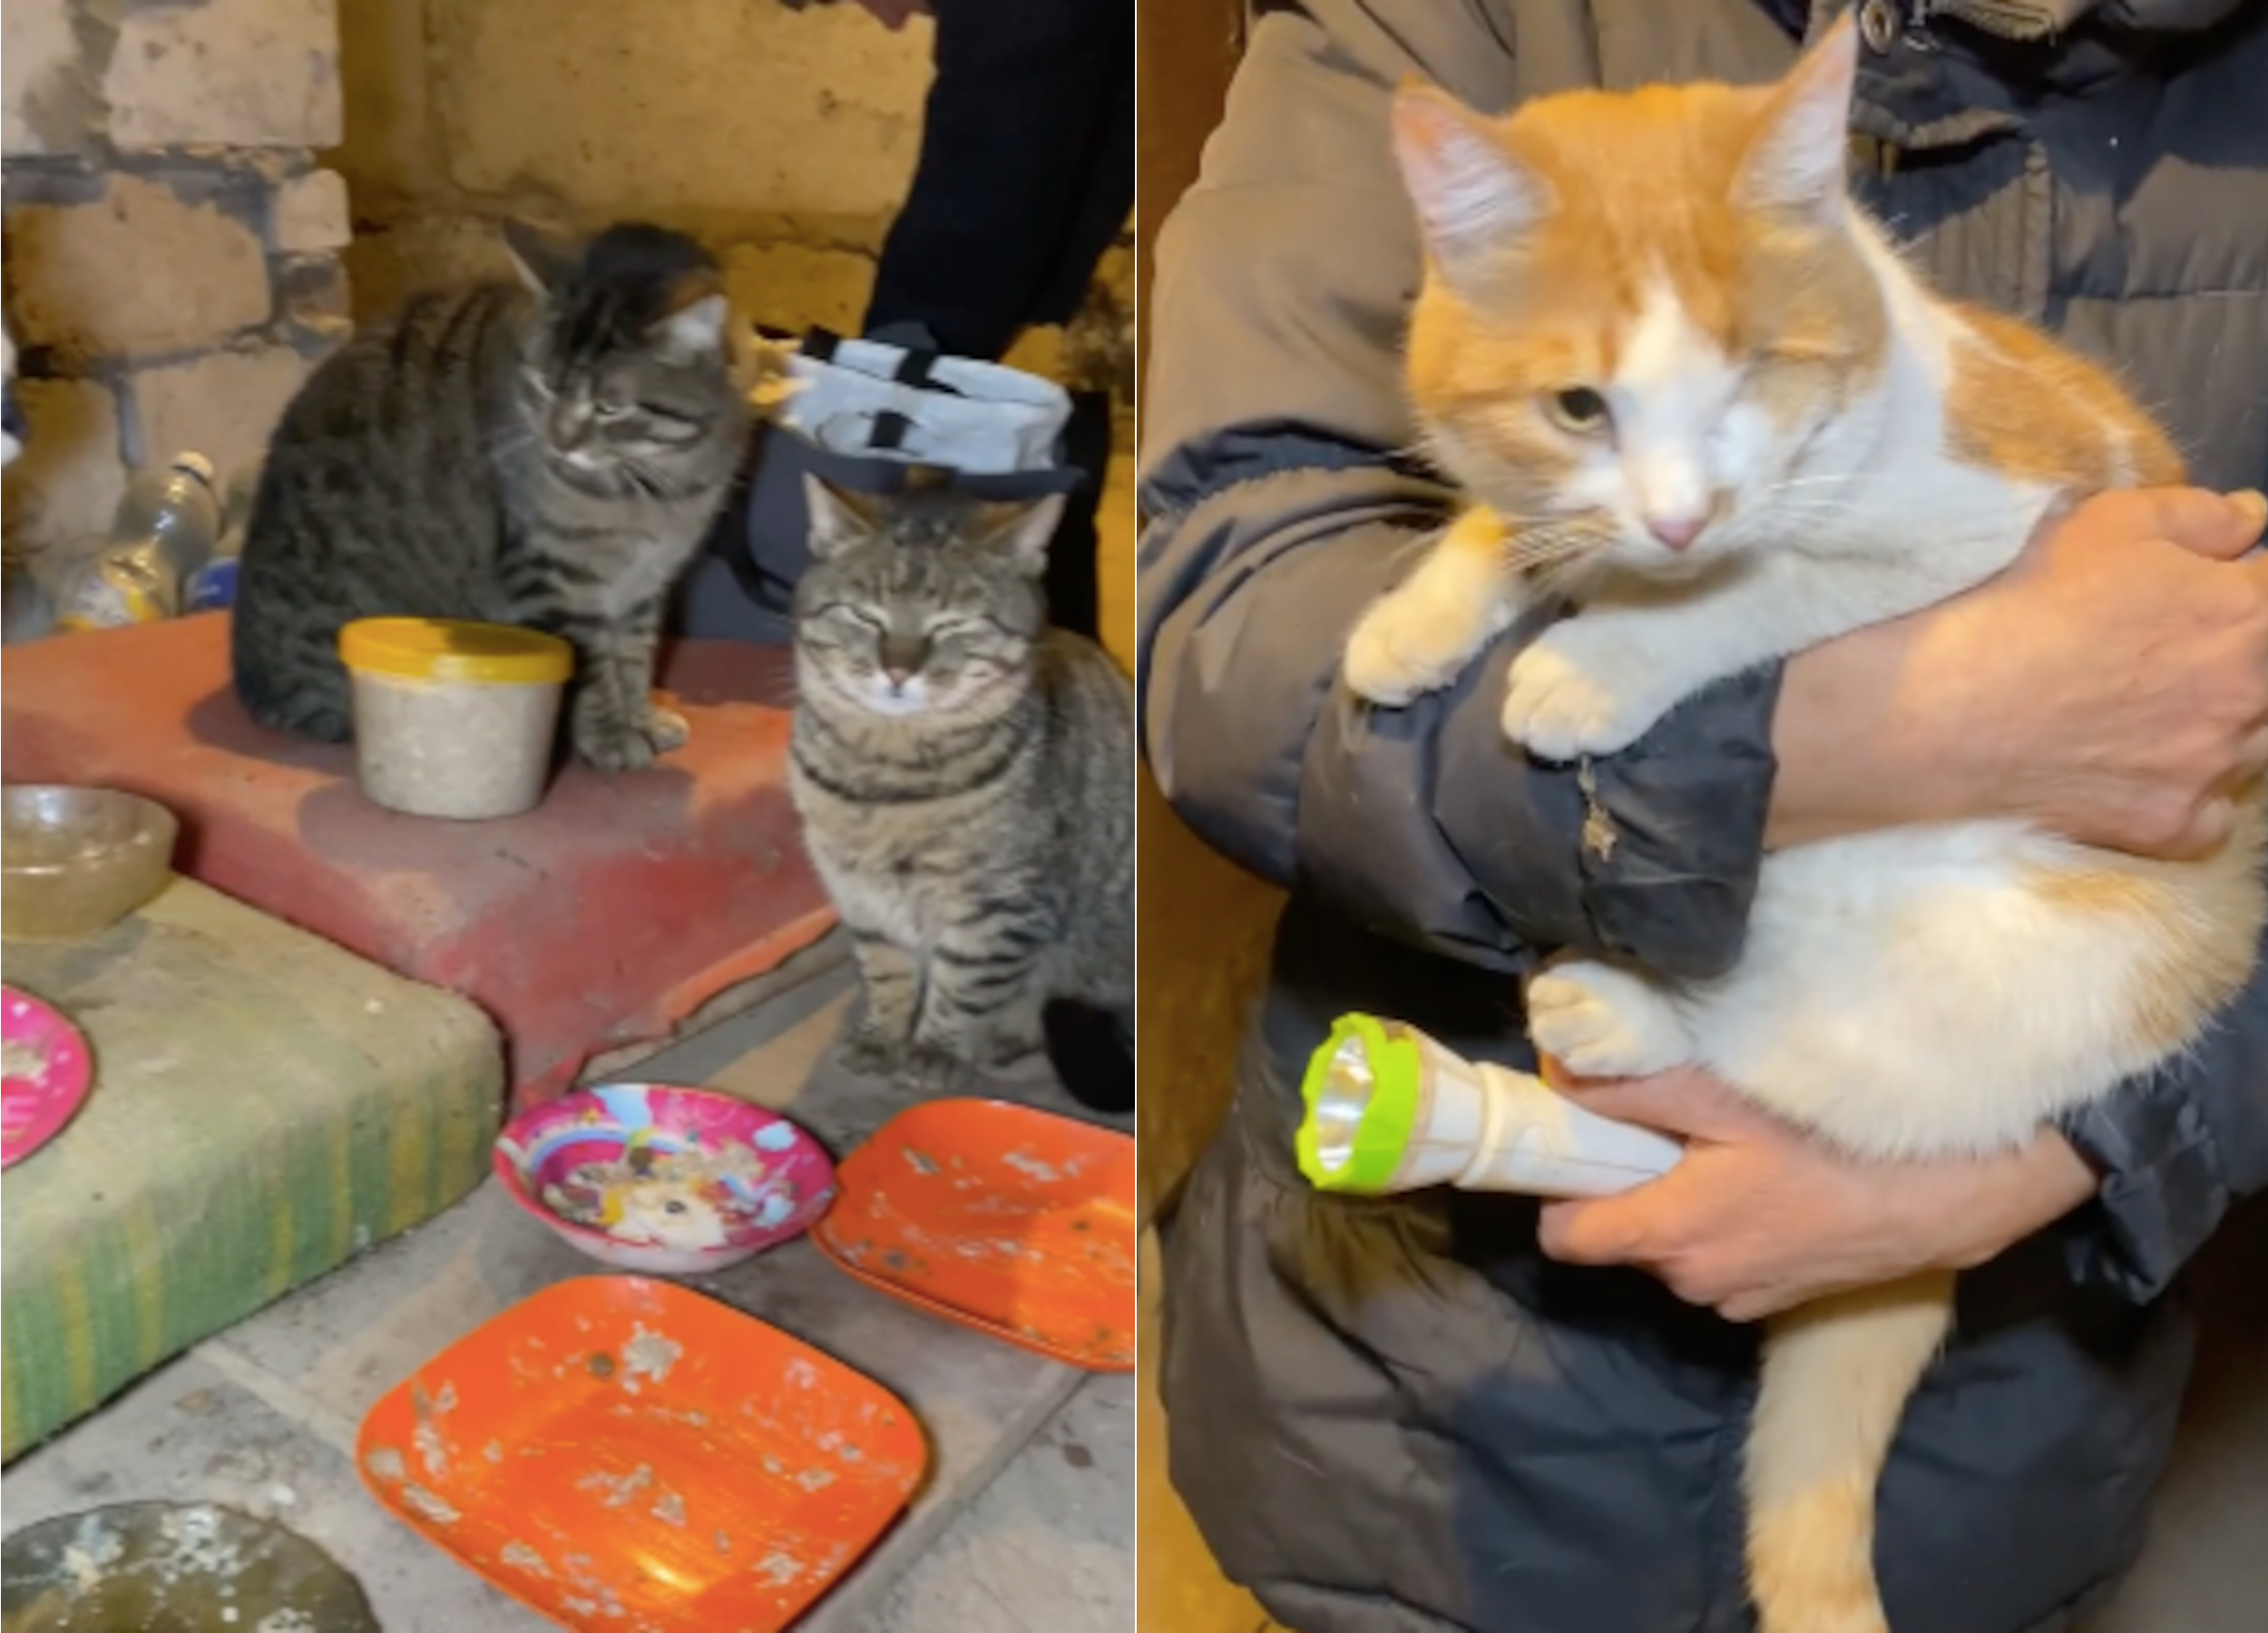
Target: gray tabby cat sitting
[(547, 454), (966, 779)]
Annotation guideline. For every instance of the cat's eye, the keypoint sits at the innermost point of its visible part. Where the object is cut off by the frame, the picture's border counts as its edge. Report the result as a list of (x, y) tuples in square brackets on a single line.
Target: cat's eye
[(1577, 409)]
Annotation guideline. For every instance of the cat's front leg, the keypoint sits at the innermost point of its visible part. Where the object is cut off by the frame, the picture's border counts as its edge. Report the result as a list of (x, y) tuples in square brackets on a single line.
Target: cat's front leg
[(1600, 1021), (889, 980), (1420, 635), (617, 725), (1594, 684), (980, 1008)]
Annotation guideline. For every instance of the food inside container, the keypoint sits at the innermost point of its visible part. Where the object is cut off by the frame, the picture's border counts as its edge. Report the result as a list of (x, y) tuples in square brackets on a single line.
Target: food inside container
[(452, 719), (77, 860)]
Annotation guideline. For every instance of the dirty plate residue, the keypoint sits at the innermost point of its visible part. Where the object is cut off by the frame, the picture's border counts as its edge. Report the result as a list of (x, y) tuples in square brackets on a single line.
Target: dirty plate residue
[(1014, 1221), (174, 1568), (618, 1452), (662, 1179), (46, 1075)]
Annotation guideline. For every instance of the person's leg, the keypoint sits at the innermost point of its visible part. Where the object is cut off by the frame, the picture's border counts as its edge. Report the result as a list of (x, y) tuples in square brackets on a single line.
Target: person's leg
[(1103, 205), (1016, 119)]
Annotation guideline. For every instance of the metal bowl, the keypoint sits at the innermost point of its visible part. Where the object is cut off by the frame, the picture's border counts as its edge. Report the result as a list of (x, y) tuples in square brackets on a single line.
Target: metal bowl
[(75, 861)]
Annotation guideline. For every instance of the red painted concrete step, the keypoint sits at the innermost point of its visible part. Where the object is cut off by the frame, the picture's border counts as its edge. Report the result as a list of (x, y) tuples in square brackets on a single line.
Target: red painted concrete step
[(602, 918)]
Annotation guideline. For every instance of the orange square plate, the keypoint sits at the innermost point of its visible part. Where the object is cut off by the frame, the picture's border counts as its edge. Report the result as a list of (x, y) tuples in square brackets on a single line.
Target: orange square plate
[(1013, 1221), (620, 1453)]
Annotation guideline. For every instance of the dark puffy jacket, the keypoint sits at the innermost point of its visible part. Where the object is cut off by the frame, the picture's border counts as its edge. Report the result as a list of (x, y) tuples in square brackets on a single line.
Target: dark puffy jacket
[(1394, 1416)]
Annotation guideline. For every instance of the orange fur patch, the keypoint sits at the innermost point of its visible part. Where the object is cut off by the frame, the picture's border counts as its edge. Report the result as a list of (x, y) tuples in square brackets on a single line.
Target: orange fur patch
[(2023, 404), (2201, 917)]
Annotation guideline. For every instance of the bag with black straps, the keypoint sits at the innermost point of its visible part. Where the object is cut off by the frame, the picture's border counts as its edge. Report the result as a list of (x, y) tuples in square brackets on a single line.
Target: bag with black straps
[(874, 416)]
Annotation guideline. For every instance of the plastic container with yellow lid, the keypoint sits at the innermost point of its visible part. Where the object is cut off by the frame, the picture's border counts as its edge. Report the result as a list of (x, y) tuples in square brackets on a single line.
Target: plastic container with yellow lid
[(453, 718)]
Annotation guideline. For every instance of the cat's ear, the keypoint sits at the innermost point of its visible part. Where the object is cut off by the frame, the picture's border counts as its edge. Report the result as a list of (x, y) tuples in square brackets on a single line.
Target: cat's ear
[(696, 329), (542, 259), (1472, 195), (1023, 531), (1795, 163), (836, 519)]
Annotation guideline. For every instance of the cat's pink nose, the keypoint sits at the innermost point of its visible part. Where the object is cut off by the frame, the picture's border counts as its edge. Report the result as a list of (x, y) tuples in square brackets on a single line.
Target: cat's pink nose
[(1676, 531)]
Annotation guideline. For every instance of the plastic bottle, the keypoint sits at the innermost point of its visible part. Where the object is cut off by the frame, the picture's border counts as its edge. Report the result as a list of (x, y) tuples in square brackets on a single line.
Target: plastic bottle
[(1389, 1110), (164, 530)]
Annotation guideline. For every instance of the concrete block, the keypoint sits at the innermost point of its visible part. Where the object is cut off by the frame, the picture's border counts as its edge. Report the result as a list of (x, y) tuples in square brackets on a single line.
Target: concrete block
[(65, 487), (791, 286), (50, 98), (229, 72), (314, 292), (223, 406), (137, 272), (309, 213)]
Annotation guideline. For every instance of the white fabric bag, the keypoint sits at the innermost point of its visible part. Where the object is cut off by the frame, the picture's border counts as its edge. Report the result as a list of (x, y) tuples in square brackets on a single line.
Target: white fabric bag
[(875, 400)]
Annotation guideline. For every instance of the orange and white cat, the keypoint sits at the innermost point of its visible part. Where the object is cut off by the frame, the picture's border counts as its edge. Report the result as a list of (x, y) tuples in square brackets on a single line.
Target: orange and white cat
[(1689, 386)]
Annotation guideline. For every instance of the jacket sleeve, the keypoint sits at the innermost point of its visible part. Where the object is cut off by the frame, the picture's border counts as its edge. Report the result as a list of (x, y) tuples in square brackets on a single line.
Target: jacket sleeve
[(2175, 1149), (1279, 511)]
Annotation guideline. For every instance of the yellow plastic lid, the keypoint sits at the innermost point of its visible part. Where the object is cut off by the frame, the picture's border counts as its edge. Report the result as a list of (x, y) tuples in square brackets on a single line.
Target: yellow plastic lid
[(449, 649)]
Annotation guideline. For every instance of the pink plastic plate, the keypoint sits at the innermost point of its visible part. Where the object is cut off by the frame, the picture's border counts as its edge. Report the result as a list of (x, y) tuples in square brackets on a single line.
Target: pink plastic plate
[(665, 1180), (49, 1072)]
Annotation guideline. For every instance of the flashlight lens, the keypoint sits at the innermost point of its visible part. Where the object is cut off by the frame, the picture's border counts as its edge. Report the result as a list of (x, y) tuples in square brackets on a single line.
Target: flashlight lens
[(1339, 1109)]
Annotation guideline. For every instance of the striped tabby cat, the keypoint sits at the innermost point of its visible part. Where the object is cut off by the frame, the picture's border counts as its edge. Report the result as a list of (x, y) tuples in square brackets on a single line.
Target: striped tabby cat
[(546, 453), (966, 779)]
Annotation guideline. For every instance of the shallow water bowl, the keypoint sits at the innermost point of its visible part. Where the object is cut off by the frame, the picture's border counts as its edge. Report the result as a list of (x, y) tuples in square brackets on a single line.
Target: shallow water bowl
[(75, 861), (666, 1180), (174, 1568)]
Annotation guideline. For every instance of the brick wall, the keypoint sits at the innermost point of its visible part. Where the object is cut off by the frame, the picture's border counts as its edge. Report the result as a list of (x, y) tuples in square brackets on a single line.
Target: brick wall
[(783, 136), (173, 247)]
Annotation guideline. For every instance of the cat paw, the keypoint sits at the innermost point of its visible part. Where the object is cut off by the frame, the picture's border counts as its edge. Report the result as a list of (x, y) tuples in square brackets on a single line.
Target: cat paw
[(624, 750), (871, 1054), (667, 729), (1572, 694), (931, 1071), (1008, 1047), (1600, 1021), (1398, 653)]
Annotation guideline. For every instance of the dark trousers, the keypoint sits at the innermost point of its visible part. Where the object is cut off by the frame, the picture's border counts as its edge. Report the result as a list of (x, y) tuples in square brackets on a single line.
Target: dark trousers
[(1026, 171), (1025, 178)]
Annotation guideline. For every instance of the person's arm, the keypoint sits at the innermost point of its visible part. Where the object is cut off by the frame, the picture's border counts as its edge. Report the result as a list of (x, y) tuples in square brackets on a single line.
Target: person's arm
[(1278, 515)]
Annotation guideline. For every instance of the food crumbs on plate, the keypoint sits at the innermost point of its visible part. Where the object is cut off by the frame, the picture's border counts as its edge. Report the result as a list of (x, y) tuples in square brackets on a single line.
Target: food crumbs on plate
[(802, 1373), (432, 1507), (520, 1557), (816, 1480), (430, 1451), (921, 1162), (1031, 1167), (620, 1488), (781, 1569), (723, 1543), (671, 1510), (493, 1452), (386, 1462), (650, 1355), (600, 1366)]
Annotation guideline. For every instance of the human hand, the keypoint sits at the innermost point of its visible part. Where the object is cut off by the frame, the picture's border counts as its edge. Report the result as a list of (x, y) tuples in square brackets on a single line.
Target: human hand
[(1758, 1217), (895, 14), (2111, 686)]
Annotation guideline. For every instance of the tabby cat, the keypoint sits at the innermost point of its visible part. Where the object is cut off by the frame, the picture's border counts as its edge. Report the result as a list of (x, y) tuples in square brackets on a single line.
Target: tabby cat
[(1692, 389), (966, 779), (547, 453)]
